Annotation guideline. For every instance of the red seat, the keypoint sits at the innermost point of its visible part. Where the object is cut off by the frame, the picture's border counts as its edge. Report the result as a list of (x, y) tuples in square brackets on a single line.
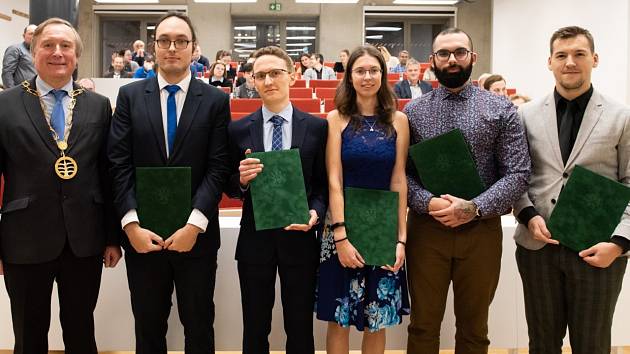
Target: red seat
[(325, 92), (329, 105), (229, 203), (434, 83), (425, 66), (227, 90), (393, 76), (392, 82), (323, 83), (511, 91), (340, 76), (299, 83), (300, 92), (402, 102), (310, 105), (239, 115), (330, 64), (248, 105)]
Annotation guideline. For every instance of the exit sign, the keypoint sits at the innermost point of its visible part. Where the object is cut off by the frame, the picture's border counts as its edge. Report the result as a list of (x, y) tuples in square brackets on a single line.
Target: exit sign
[(275, 6)]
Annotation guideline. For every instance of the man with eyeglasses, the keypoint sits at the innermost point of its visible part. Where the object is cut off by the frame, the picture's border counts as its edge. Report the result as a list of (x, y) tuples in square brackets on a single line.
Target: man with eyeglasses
[(293, 251), (451, 239), (171, 120)]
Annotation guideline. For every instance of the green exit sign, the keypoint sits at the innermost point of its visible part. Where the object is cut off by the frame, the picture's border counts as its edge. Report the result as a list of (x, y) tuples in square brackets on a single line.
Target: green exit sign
[(276, 6)]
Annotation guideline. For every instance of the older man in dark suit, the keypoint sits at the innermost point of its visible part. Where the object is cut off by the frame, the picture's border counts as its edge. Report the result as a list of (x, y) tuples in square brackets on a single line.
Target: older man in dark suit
[(171, 120), (293, 252), (57, 215), (413, 87)]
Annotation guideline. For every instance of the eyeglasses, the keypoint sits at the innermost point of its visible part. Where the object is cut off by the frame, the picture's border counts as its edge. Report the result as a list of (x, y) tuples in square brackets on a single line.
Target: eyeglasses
[(273, 74), (164, 43), (361, 72), (459, 53)]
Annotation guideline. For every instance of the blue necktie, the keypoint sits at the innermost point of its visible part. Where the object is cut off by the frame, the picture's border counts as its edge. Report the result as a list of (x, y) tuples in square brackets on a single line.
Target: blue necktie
[(171, 116), (276, 137), (58, 118)]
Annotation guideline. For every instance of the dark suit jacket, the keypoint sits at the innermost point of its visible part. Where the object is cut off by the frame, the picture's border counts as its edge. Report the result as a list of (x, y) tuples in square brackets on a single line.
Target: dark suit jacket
[(309, 134), (40, 211), (402, 89), (137, 140)]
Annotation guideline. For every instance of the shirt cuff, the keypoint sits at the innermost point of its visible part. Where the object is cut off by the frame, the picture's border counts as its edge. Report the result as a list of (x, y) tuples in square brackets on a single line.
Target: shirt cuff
[(622, 242), (526, 215), (197, 218), (131, 216)]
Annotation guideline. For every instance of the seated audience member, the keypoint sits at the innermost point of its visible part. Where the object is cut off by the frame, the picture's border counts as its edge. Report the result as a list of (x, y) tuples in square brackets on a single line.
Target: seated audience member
[(226, 58), (518, 99), (403, 56), (219, 76), (318, 71), (130, 65), (429, 75), (482, 78), (199, 58), (148, 68), (247, 89), (390, 60), (340, 66), (138, 52), (305, 63), (87, 84), (413, 87), (196, 69), (118, 69), (496, 84)]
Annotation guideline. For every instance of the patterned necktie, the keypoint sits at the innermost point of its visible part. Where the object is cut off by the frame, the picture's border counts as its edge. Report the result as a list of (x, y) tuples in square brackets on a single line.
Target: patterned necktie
[(58, 117), (171, 116), (276, 137)]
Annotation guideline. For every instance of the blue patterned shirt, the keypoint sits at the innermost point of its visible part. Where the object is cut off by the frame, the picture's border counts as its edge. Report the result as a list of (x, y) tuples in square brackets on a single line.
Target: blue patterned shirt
[(494, 133)]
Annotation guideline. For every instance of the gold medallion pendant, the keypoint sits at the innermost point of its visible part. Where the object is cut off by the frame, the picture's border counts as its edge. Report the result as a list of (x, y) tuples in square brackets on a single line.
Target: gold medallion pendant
[(62, 145), (66, 167)]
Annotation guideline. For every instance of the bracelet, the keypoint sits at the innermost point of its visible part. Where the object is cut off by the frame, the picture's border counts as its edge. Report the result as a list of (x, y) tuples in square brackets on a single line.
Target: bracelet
[(337, 224), (402, 243), (341, 239)]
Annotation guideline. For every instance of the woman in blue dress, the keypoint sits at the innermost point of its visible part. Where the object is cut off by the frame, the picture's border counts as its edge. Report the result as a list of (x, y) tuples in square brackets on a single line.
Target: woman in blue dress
[(367, 147)]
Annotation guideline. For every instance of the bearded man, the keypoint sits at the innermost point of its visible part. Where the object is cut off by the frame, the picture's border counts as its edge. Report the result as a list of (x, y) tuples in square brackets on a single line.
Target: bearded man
[(452, 239)]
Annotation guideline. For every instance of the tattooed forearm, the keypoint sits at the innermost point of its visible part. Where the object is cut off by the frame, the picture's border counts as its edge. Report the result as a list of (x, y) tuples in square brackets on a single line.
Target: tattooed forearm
[(465, 210)]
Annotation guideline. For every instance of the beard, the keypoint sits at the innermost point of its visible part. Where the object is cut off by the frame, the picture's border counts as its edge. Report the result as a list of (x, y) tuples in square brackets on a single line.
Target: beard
[(453, 80)]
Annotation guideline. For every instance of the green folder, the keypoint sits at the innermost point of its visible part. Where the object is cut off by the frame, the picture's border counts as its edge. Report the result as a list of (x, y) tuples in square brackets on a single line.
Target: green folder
[(371, 218), (278, 193), (445, 166), (589, 209), (164, 198)]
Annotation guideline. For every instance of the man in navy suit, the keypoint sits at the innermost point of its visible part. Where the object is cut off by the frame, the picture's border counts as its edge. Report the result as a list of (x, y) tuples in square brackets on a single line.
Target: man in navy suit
[(171, 120), (413, 87), (293, 251)]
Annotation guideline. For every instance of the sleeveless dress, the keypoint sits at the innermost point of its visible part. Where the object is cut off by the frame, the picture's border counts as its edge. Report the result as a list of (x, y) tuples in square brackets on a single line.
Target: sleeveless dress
[(368, 298)]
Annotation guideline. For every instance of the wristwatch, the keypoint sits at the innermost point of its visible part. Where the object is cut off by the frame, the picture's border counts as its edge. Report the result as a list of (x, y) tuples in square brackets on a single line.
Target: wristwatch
[(477, 210)]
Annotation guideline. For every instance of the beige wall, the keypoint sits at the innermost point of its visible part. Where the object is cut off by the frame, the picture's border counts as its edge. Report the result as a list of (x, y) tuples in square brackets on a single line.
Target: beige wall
[(340, 26)]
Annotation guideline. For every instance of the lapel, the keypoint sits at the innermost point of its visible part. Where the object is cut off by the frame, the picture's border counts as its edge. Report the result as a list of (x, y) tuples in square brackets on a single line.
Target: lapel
[(78, 120), (298, 129), (592, 115), (191, 104), (550, 125), (154, 113), (407, 88), (33, 109), (256, 131)]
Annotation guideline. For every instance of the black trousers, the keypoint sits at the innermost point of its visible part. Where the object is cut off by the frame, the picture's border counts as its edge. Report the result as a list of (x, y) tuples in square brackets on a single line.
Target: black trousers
[(152, 278), (297, 284), (30, 287), (560, 291)]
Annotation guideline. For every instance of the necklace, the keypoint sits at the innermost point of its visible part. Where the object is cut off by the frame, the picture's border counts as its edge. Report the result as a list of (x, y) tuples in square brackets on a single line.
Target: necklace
[(370, 125), (65, 166)]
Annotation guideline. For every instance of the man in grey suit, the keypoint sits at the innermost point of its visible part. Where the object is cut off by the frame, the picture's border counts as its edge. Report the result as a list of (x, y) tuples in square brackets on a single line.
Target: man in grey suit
[(575, 125), (17, 63)]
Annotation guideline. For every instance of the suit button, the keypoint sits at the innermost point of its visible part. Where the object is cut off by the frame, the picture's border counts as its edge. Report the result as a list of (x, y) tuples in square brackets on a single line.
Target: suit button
[(65, 197), (565, 175), (553, 201)]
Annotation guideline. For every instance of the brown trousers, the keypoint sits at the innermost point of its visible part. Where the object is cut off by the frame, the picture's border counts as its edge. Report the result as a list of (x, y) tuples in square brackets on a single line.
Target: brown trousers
[(470, 257)]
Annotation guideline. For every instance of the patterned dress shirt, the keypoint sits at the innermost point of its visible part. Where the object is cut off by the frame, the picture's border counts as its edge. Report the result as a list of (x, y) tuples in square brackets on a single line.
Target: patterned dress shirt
[(494, 134)]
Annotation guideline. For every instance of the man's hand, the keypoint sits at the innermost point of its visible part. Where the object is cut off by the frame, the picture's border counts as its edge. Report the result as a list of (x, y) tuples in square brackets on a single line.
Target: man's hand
[(304, 227), (602, 255), (436, 204), (183, 240), (249, 169), (111, 256), (538, 228), (143, 240), (458, 213)]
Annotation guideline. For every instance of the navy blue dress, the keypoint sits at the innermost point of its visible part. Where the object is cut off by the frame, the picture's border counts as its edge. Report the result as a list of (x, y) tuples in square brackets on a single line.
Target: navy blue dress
[(368, 298)]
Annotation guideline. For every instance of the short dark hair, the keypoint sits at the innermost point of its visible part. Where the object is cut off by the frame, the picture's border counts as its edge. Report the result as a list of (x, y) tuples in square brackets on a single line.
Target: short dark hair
[(572, 32), (182, 17), (453, 30), (247, 67), (346, 51), (491, 80), (149, 58), (319, 56)]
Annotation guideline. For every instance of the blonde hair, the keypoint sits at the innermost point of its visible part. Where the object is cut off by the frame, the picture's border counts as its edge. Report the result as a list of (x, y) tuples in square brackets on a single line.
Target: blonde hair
[(78, 44)]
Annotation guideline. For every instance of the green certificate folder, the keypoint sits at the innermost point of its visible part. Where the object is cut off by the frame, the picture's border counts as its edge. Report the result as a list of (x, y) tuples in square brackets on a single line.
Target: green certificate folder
[(278, 193), (589, 209), (371, 218), (164, 198), (445, 166)]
